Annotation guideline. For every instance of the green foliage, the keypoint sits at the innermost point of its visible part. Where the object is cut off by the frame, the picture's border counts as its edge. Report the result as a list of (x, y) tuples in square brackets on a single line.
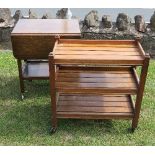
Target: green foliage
[(28, 122)]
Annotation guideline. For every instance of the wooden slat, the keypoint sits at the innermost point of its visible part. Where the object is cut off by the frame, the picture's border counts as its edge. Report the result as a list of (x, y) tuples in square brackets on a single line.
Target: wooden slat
[(94, 85), (95, 75), (95, 70), (98, 45), (96, 80), (91, 69), (109, 88), (99, 62), (97, 57), (96, 53), (93, 104), (78, 115), (94, 109), (96, 48), (97, 91), (111, 42), (90, 97)]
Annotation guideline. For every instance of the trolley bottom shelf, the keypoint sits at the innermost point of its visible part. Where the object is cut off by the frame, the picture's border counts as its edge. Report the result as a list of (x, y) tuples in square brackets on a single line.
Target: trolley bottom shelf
[(95, 106), (36, 70)]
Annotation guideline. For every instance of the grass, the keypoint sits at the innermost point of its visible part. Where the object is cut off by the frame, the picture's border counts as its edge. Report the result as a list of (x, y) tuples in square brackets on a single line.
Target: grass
[(28, 122)]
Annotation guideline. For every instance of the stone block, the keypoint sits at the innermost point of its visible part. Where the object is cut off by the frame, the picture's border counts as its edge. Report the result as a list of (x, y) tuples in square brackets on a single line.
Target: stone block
[(123, 22), (140, 23), (92, 19), (106, 20), (152, 22)]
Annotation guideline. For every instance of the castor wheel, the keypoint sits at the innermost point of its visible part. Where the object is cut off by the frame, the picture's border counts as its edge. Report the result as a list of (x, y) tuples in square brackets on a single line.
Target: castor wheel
[(131, 130), (53, 130), (22, 97)]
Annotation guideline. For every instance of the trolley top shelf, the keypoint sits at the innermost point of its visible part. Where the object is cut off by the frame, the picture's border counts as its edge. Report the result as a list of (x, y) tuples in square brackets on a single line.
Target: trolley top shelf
[(98, 52)]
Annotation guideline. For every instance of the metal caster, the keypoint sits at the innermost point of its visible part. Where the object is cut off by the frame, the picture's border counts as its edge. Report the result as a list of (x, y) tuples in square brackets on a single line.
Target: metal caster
[(22, 97), (53, 130), (131, 130)]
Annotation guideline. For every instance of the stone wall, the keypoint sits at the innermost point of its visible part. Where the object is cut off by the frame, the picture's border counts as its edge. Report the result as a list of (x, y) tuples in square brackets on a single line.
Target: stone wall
[(5, 33), (92, 27)]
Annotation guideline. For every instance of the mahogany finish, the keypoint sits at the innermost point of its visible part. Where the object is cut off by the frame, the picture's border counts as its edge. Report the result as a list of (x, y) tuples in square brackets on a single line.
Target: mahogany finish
[(98, 52), (95, 79), (49, 27), (35, 39)]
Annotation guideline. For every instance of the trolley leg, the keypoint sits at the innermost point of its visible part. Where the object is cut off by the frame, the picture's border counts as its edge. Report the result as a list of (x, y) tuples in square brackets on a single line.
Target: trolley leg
[(52, 93), (140, 92), (22, 89)]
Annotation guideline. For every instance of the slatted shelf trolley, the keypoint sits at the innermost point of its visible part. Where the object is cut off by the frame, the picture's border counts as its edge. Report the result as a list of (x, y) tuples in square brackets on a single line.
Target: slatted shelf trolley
[(95, 79)]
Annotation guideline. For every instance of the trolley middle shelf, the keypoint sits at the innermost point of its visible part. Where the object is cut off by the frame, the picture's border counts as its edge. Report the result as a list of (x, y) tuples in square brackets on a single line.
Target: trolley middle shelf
[(97, 80)]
